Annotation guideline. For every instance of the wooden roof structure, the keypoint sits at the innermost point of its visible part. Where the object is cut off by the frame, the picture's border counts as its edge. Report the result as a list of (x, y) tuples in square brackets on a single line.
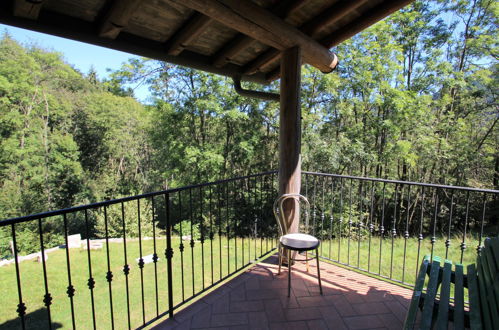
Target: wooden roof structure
[(242, 39)]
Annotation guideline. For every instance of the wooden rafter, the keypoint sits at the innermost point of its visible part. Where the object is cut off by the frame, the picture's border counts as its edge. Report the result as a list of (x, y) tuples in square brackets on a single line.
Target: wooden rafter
[(82, 30), (230, 50), (27, 8), (273, 75), (268, 58), (327, 17), (118, 17), (330, 16), (363, 22), (194, 26), (258, 23), (241, 42), (259, 63)]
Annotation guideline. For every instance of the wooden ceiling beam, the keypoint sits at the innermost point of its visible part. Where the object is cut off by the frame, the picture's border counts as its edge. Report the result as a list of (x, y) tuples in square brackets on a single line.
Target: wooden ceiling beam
[(27, 8), (194, 26), (363, 22), (285, 9), (273, 75), (337, 37), (241, 42), (258, 23), (231, 49), (259, 63), (118, 17), (329, 16), (64, 26)]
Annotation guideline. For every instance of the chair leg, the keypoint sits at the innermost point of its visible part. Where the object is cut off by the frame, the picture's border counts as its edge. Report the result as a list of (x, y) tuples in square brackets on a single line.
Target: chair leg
[(289, 273), (280, 260), (318, 269), (306, 258)]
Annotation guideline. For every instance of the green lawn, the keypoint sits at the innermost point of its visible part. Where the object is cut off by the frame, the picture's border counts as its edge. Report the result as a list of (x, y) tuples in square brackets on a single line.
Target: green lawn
[(394, 267), (33, 289)]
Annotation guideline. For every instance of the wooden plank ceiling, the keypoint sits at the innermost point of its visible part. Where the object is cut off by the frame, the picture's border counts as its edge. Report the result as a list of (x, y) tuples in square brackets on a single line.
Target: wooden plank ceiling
[(237, 38)]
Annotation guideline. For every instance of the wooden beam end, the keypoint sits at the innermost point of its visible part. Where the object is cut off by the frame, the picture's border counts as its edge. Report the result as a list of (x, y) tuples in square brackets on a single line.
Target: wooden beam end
[(333, 64)]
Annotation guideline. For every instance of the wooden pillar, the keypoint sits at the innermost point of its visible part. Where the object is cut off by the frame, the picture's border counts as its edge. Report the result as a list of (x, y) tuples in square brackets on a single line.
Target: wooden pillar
[(290, 134)]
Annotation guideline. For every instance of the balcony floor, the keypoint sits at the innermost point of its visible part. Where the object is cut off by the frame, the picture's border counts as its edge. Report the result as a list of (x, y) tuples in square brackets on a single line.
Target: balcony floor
[(257, 299)]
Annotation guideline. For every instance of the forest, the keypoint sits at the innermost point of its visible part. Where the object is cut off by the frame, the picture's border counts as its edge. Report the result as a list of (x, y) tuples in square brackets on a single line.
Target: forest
[(414, 99)]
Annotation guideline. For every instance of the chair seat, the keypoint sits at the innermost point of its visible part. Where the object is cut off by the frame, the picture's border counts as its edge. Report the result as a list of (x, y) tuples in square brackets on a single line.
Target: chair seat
[(299, 242)]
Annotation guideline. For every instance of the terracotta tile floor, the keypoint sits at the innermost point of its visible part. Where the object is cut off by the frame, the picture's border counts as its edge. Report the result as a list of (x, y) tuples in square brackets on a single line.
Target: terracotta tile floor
[(257, 299)]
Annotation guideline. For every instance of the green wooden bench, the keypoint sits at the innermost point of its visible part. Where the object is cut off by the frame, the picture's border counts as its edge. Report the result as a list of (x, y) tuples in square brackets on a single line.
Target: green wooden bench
[(434, 303)]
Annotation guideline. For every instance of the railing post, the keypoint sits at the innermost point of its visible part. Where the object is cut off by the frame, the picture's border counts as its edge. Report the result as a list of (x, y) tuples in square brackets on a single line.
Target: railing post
[(169, 255), (21, 307)]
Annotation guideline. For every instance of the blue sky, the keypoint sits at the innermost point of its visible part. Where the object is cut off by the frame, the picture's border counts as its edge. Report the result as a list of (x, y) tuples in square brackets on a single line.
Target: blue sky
[(80, 55)]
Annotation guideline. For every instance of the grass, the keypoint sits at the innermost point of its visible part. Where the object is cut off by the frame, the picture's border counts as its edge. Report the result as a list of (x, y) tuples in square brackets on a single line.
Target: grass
[(366, 256), (33, 283), (356, 253)]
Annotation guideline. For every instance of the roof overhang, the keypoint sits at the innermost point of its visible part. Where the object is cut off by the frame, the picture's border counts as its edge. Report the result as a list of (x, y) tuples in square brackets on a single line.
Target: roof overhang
[(241, 39)]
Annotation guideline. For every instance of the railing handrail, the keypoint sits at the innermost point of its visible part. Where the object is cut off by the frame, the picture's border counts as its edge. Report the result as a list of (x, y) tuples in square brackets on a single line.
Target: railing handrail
[(53, 213), (404, 182)]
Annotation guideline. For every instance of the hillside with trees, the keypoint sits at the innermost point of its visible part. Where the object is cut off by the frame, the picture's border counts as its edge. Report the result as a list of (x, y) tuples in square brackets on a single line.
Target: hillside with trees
[(414, 98)]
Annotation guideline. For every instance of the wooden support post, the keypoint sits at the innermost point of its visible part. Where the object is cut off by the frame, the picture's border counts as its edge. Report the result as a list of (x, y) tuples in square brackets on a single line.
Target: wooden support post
[(290, 135)]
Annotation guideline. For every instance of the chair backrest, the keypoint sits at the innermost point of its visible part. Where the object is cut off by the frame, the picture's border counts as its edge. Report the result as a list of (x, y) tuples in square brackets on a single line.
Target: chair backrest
[(303, 208)]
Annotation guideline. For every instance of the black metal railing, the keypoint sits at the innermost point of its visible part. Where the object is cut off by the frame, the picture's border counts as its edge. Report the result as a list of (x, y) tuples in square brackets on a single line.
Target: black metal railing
[(145, 256), (205, 232), (385, 227)]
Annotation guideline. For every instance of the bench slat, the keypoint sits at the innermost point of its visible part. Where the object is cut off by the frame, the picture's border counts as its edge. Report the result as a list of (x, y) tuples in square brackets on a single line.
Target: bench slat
[(487, 261), (459, 298), (494, 246), (475, 311), (431, 293), (416, 295), (443, 307), (493, 263), (482, 287)]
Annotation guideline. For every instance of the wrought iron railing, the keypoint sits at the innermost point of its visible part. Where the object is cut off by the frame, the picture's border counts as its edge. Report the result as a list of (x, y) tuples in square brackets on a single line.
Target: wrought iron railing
[(155, 252), (385, 227), (198, 236)]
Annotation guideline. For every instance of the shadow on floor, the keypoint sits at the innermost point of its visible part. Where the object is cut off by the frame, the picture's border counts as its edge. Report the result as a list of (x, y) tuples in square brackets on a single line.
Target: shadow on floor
[(258, 299)]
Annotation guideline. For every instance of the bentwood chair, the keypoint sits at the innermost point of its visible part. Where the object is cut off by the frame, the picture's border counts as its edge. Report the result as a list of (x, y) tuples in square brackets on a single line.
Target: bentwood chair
[(296, 242)]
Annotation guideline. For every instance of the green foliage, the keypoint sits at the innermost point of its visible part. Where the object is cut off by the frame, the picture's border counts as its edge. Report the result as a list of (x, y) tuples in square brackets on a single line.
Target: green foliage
[(415, 98), (65, 141), (183, 228), (124, 216)]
